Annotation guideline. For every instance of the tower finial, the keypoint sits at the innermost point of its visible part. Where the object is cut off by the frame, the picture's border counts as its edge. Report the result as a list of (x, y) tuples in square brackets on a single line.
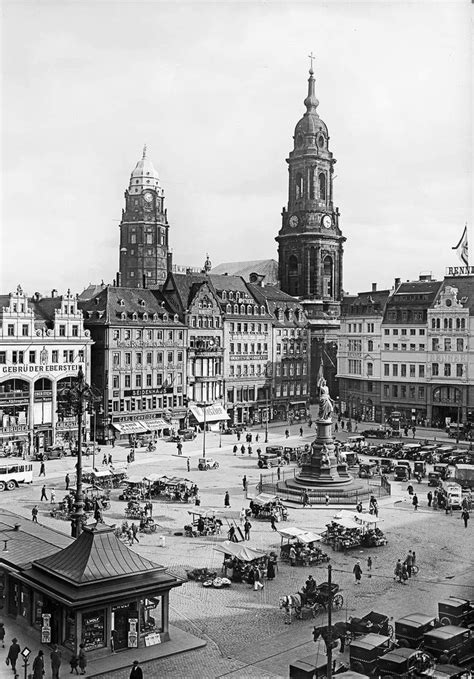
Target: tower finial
[(311, 57), (144, 151), (311, 102)]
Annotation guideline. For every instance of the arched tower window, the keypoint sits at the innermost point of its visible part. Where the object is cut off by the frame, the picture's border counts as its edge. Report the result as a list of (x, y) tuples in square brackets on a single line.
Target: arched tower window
[(327, 276), (299, 186), (322, 186), (311, 183), (293, 276)]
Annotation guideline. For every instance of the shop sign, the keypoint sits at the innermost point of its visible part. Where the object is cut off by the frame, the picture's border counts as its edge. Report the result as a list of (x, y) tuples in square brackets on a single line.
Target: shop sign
[(46, 629), (459, 270), (67, 367), (142, 392), (132, 640), (14, 429), (152, 639), (135, 418), (450, 358), (67, 423)]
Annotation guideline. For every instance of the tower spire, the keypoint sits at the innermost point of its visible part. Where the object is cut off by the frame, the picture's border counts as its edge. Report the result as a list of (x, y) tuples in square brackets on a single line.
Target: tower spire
[(144, 152), (311, 102)]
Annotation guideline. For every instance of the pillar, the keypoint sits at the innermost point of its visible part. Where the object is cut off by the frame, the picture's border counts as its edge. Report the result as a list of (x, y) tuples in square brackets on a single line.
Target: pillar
[(31, 419), (165, 604), (54, 415)]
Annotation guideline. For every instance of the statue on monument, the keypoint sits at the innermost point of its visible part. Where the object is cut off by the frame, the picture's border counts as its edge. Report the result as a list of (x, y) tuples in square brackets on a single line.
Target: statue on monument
[(326, 407)]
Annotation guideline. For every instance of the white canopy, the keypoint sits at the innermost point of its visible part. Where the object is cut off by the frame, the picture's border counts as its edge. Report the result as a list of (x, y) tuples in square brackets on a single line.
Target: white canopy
[(293, 533)]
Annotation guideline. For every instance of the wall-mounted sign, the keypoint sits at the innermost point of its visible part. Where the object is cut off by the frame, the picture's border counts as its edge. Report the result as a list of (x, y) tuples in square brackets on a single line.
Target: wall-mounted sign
[(459, 270), (67, 367)]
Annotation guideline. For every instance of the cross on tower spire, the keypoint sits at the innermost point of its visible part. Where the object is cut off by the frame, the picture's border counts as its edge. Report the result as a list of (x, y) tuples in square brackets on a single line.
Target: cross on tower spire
[(311, 57), (144, 151)]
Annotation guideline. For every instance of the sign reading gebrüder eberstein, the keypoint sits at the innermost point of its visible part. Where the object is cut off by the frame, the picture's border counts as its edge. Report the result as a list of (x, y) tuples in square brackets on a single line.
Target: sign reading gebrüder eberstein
[(54, 368)]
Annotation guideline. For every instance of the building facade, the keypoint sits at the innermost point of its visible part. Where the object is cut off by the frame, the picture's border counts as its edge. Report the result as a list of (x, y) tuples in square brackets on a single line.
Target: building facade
[(310, 241), (138, 361), (43, 343), (144, 252)]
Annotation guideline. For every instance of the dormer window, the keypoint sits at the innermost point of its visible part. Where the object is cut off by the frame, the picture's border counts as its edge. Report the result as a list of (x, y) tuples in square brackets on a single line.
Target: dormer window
[(155, 317), (123, 316), (228, 308), (224, 294), (141, 302), (262, 309), (236, 309), (121, 302), (145, 316), (134, 316), (231, 295), (242, 308), (176, 318), (165, 317)]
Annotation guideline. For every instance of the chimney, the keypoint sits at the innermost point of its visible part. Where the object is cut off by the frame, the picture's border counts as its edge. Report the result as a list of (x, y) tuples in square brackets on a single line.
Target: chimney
[(118, 279), (374, 287), (54, 292), (397, 282)]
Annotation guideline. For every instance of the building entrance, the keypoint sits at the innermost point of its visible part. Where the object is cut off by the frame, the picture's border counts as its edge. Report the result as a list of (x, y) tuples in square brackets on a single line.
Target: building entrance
[(121, 616)]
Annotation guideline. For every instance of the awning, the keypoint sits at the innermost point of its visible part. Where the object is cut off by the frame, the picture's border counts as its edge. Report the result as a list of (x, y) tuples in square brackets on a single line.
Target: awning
[(363, 519), (304, 536), (129, 427), (241, 552), (153, 425), (347, 523), (265, 498), (214, 412), (297, 403)]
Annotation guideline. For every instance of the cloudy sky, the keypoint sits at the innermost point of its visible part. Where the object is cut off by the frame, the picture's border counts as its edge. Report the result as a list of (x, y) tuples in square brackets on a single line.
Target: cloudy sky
[(215, 90)]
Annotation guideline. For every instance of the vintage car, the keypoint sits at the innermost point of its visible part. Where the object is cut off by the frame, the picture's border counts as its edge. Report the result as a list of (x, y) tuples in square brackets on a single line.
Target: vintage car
[(367, 470), (410, 629), (386, 466), (378, 433), (266, 461), (365, 652), (402, 473), (434, 478), (456, 611), (452, 642), (419, 468), (404, 662), (51, 453)]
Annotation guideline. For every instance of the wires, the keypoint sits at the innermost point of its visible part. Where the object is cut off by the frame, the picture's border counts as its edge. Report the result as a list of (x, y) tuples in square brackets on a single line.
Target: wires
[(415, 577)]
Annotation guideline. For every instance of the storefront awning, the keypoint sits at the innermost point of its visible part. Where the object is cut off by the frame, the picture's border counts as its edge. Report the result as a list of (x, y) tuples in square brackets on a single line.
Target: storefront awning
[(153, 425), (214, 412), (129, 427), (297, 403)]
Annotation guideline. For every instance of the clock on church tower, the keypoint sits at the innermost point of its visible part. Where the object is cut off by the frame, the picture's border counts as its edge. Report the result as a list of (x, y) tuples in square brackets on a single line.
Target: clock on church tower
[(310, 242), (143, 230)]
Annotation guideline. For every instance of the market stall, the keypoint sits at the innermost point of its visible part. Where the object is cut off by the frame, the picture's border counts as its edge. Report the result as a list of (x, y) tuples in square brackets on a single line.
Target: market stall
[(98, 477), (240, 560), (348, 530), (134, 488), (264, 505), (304, 543), (204, 522)]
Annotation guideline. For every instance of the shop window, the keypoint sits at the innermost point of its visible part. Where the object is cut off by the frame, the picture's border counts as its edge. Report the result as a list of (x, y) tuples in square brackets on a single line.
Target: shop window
[(93, 630)]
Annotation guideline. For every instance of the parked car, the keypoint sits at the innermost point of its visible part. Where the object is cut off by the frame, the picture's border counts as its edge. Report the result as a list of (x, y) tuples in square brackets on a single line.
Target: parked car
[(456, 643), (386, 466), (356, 442), (378, 433), (456, 611), (410, 629), (267, 461), (402, 473), (365, 652), (403, 662), (274, 450), (51, 453)]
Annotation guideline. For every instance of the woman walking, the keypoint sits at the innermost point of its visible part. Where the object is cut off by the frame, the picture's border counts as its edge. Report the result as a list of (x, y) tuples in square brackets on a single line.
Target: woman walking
[(227, 499), (357, 570)]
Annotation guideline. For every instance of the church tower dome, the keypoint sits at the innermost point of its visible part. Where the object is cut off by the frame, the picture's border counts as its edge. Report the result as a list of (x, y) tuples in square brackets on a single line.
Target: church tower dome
[(144, 176)]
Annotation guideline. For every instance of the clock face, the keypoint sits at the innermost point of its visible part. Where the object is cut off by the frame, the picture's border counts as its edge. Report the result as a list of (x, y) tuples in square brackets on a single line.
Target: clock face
[(327, 222), (293, 221), (148, 197)]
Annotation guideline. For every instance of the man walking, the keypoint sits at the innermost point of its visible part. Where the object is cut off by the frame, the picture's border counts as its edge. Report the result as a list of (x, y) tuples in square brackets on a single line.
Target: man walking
[(273, 521), (247, 527), (136, 671), (188, 464), (244, 482), (43, 494), (42, 469), (227, 499), (415, 502), (357, 570), (305, 499), (55, 662), (67, 480), (34, 514), (465, 517), (409, 563), (326, 499), (13, 653), (430, 498)]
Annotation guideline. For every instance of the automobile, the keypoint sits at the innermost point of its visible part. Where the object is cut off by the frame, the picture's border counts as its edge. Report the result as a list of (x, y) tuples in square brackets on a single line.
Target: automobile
[(367, 470), (451, 641), (447, 672), (356, 442), (266, 461), (403, 662), (402, 473), (429, 453), (454, 491), (410, 629), (274, 450), (378, 433), (51, 453), (233, 429), (365, 652), (294, 453), (419, 468), (434, 478), (386, 466), (188, 434), (442, 470), (456, 611), (411, 450)]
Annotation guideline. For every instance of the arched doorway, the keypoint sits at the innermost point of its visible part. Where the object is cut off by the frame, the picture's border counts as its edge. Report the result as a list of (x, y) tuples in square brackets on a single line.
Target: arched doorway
[(447, 403)]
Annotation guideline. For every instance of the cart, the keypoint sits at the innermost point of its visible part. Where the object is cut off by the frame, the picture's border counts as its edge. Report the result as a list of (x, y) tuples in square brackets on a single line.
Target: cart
[(206, 463), (319, 599), (135, 510), (372, 623)]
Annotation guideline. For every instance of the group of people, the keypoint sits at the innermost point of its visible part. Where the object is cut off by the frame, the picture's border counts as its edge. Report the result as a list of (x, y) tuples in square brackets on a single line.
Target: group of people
[(253, 572), (404, 569), (77, 662), (298, 553)]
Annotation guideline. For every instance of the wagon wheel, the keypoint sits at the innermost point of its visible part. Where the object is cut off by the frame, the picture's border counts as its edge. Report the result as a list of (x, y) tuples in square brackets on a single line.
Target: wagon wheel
[(315, 608), (11, 485), (445, 621), (453, 659), (338, 601)]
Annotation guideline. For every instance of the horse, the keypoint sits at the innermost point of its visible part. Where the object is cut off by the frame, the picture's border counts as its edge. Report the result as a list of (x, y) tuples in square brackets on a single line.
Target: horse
[(337, 632), (291, 603)]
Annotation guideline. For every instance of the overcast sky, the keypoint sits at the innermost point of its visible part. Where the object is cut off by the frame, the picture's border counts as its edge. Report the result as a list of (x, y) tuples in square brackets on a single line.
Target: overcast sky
[(215, 89)]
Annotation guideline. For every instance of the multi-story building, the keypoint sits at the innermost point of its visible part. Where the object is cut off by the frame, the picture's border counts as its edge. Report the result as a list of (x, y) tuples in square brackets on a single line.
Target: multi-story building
[(43, 343), (290, 357), (310, 241), (144, 254), (359, 354), (138, 361)]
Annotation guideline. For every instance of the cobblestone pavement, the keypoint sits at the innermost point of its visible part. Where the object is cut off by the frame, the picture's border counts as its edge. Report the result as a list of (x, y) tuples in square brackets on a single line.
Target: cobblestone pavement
[(245, 631)]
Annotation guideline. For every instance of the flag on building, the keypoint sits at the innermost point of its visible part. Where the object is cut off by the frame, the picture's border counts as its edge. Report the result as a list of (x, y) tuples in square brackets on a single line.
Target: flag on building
[(462, 248)]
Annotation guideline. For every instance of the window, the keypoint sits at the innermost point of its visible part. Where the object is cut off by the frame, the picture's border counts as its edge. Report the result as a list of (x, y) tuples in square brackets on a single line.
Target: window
[(17, 356), (32, 357), (421, 347), (170, 357), (55, 356), (421, 371), (403, 391), (395, 331), (11, 330), (148, 380), (421, 392), (80, 355), (421, 331), (412, 331), (24, 330), (149, 358), (395, 390), (459, 344), (435, 344), (395, 346), (3, 357), (115, 381), (322, 186), (435, 369), (447, 369), (404, 346), (370, 345), (403, 370), (404, 331), (115, 359), (370, 369), (459, 370), (412, 370), (138, 357), (127, 381), (62, 331), (386, 331), (370, 386), (138, 380), (447, 343), (386, 346), (128, 358), (395, 370), (412, 393), (386, 369), (386, 390), (75, 331)]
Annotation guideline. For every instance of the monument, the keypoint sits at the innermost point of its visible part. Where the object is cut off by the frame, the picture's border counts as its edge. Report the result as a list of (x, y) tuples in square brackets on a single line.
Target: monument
[(324, 469)]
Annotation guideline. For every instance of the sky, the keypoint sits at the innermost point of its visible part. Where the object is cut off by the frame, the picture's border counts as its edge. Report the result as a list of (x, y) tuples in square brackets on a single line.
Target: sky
[(215, 90)]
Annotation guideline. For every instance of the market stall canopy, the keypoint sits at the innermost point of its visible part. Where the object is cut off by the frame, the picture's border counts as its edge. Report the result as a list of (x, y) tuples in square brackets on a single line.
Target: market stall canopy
[(347, 523), (265, 498), (129, 427), (135, 479), (205, 513), (153, 478), (362, 519), (213, 413), (305, 536), (177, 481), (240, 551), (154, 425), (101, 473)]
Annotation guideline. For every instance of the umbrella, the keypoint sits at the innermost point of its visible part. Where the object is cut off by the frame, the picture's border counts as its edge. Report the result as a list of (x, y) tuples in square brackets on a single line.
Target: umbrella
[(240, 551)]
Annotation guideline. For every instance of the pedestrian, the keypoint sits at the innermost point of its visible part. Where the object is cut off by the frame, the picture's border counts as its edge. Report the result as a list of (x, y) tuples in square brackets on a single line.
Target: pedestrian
[(34, 514), (449, 505), (242, 449), (136, 671), (74, 662), (342, 425), (43, 494), (326, 499), (238, 436), (55, 656), (357, 570), (273, 521), (409, 563), (369, 563), (179, 446), (227, 499), (235, 449), (256, 438), (414, 431), (305, 498), (231, 534), (301, 431), (38, 666), (42, 469), (271, 567), (53, 496), (104, 459), (244, 482), (429, 495), (242, 516), (2, 634), (67, 480), (404, 575), (465, 517), (188, 464), (278, 473), (398, 571), (336, 428), (135, 532), (292, 556), (82, 659), (250, 449), (113, 442), (247, 527), (415, 502), (257, 579), (109, 460), (287, 433)]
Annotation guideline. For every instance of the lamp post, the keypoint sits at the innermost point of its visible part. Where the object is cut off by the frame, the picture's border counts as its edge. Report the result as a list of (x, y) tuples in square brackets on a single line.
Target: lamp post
[(204, 432), (266, 418), (26, 654), (76, 400)]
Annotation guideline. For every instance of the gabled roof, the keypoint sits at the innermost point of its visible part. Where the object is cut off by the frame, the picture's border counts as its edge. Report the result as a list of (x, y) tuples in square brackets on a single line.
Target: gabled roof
[(465, 287), (263, 267), (371, 303), (97, 554), (108, 305)]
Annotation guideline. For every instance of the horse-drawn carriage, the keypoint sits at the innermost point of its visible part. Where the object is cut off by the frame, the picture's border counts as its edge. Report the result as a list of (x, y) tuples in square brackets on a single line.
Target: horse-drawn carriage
[(313, 602)]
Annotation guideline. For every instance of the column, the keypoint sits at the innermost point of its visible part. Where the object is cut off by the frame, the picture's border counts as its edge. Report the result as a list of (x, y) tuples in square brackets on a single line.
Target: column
[(54, 415), (308, 272), (165, 602), (31, 418)]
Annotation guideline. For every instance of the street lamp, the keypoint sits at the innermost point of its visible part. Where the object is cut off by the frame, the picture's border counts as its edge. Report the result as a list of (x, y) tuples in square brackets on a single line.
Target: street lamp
[(76, 400), (26, 654), (266, 419), (98, 410)]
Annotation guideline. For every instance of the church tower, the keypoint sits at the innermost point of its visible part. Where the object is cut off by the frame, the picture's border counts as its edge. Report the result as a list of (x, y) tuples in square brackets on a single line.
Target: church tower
[(310, 241), (144, 230)]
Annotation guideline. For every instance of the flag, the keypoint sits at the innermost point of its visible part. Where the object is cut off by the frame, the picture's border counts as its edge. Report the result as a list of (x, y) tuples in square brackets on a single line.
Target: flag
[(462, 248)]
